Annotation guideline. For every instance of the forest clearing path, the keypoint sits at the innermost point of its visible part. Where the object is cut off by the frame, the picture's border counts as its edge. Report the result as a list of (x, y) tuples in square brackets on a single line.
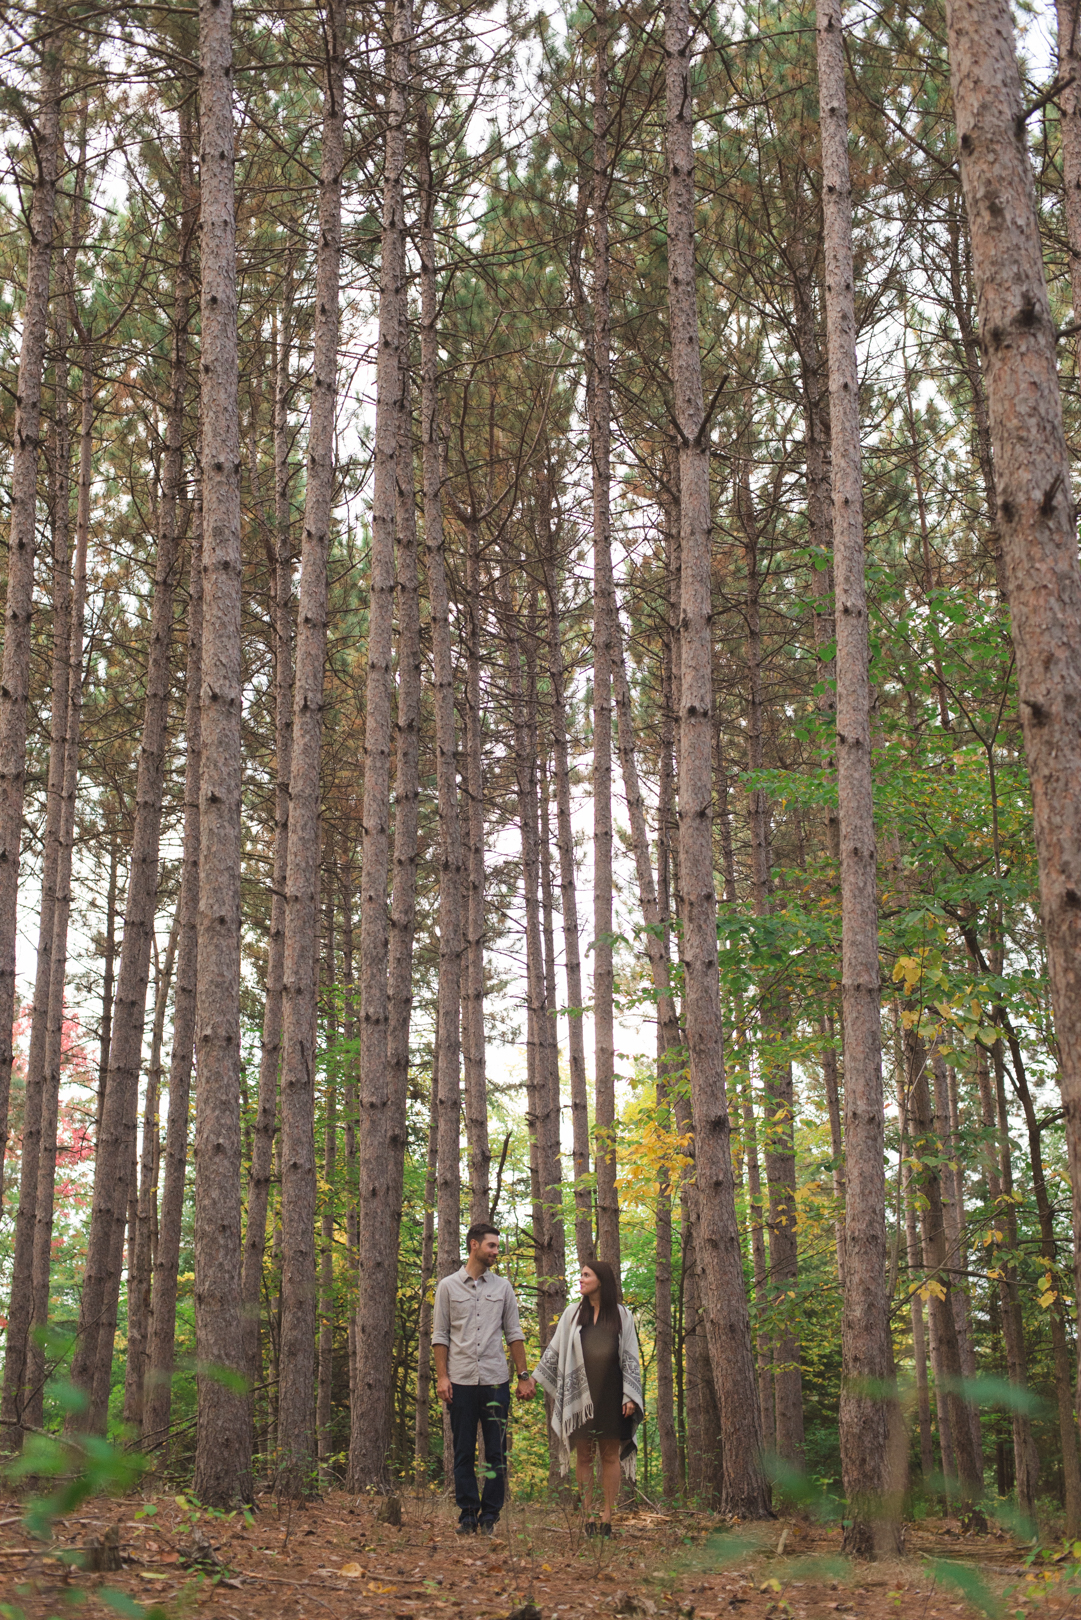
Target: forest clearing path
[(335, 1558)]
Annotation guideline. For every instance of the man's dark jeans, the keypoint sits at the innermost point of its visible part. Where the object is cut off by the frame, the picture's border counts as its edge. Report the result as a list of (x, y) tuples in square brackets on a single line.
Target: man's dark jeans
[(488, 1405)]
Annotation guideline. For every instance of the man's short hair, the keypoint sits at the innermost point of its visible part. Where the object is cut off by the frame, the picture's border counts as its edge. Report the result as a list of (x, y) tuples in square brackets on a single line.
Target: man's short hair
[(478, 1232)]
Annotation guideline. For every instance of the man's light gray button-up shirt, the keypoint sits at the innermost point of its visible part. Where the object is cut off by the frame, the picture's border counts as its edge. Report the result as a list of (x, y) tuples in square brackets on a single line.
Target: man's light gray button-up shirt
[(471, 1319)]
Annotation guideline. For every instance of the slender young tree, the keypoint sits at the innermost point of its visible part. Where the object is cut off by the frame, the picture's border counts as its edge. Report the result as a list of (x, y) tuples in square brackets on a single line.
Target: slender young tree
[(223, 1430)]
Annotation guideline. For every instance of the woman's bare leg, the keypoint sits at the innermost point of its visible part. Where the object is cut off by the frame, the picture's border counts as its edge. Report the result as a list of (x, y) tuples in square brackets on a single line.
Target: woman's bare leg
[(583, 1472), (609, 1476)]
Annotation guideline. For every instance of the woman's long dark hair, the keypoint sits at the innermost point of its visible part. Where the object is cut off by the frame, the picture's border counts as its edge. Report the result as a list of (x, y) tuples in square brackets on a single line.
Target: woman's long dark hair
[(608, 1315)]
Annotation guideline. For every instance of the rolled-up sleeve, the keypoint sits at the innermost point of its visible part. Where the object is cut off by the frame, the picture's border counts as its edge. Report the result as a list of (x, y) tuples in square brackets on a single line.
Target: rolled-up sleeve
[(441, 1318), (512, 1323)]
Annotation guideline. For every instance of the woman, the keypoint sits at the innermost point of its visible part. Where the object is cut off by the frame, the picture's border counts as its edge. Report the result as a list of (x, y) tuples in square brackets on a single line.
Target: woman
[(592, 1372)]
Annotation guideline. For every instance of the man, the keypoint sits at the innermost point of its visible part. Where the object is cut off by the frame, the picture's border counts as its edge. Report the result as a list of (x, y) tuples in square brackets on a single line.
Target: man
[(474, 1311)]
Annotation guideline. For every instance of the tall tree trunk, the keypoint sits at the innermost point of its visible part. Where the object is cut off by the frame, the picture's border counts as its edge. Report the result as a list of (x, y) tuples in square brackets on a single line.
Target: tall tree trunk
[(583, 1201), (369, 1437), (1069, 106), (1036, 509), (157, 1402), (473, 992), (716, 1230), (604, 619), (452, 895), (325, 1388), (919, 1334), (296, 1439), (223, 1429), (866, 1350), (115, 1160), (140, 1257), (16, 1364), (22, 542), (422, 1423), (54, 1044), (403, 908), (266, 1112)]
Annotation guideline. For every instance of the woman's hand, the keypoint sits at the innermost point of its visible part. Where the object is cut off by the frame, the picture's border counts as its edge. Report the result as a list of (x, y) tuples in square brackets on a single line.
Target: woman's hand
[(628, 1408)]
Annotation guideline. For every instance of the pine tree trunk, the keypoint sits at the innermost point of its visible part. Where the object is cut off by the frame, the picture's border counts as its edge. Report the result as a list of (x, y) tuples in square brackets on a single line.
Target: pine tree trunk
[(157, 1401), (604, 613), (717, 1241), (451, 872), (422, 1446), (1071, 1470), (266, 1114), (324, 1397), (16, 1364), (473, 991), (866, 1350), (403, 908), (223, 1431), (43, 1195), (370, 1438), (919, 1335), (22, 546), (140, 1263), (583, 1202), (115, 1159), (350, 1110), (296, 1375), (1069, 107), (1036, 510)]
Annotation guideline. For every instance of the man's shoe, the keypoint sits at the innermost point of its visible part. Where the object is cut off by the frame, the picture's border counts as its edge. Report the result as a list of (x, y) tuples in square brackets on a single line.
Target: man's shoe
[(467, 1529), (487, 1527)]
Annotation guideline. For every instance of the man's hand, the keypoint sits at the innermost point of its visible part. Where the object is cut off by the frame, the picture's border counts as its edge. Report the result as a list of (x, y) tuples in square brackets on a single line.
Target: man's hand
[(444, 1388), (527, 1387)]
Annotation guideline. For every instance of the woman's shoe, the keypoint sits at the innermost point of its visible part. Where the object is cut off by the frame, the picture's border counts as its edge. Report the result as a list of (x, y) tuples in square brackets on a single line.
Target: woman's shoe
[(604, 1528), (591, 1527)]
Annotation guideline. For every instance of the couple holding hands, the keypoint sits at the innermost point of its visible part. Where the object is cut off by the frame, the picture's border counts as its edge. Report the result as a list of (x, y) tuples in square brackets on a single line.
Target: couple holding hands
[(590, 1369)]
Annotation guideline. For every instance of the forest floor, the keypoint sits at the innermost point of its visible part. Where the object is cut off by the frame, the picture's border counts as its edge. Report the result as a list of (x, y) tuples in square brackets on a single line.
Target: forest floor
[(336, 1559)]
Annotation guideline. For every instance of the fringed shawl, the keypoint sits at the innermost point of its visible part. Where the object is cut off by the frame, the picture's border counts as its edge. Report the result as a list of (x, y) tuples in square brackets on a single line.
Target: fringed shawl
[(562, 1374)]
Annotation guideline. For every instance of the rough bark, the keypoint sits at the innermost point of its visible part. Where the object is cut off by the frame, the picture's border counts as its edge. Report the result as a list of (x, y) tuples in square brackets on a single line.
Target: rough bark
[(473, 976), (21, 1295), (223, 1429), (296, 1439), (1036, 512), (583, 1201), (369, 1435), (160, 1352), (604, 619), (1069, 106), (403, 907), (22, 544), (115, 1158), (422, 1422), (141, 1252), (716, 1230), (43, 1194), (266, 1113), (451, 875), (324, 1396), (867, 1358)]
